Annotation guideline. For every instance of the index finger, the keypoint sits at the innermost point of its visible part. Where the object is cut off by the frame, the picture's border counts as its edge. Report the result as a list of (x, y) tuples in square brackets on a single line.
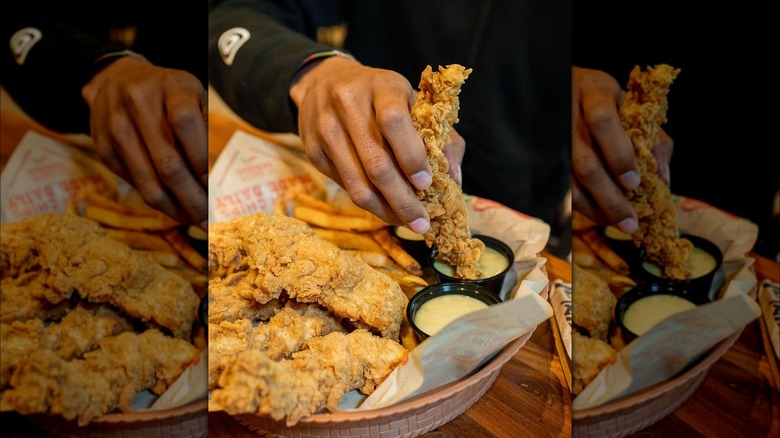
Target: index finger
[(395, 123), (600, 112)]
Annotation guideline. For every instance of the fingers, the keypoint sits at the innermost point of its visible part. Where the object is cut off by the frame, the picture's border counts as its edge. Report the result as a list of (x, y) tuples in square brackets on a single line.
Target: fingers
[(380, 163), (599, 97), (185, 118), (395, 124), (148, 109)]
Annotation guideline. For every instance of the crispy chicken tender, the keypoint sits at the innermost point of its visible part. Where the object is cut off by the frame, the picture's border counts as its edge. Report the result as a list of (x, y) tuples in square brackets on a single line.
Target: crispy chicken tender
[(316, 377), (433, 114), (642, 113), (74, 335), (107, 378), (284, 255), (590, 356), (592, 303), (65, 255), (283, 335)]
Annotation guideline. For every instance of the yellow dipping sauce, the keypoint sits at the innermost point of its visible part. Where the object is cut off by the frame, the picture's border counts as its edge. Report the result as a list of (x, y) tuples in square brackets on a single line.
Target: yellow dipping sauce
[(614, 233), (437, 312), (646, 312), (407, 234), (491, 263), (699, 263)]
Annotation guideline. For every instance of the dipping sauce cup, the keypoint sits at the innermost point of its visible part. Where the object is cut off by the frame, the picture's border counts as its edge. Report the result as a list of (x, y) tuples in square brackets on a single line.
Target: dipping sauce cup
[(412, 242), (435, 306), (705, 260), (496, 261), (622, 244), (646, 305)]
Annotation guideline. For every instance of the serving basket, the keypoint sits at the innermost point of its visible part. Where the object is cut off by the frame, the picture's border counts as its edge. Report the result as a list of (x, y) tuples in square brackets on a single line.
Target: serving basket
[(188, 420), (639, 410)]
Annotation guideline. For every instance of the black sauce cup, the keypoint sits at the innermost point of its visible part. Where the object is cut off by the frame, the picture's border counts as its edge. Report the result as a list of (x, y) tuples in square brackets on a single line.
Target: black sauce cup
[(650, 289), (492, 284), (698, 285), (441, 289), (625, 248), (416, 248)]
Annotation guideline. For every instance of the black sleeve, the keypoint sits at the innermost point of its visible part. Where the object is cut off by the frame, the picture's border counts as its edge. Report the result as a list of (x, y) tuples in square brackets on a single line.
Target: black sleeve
[(45, 63), (255, 48)]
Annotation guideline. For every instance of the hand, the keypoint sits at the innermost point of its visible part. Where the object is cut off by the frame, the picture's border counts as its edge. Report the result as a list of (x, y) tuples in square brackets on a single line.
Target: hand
[(603, 159), (148, 127), (356, 129)]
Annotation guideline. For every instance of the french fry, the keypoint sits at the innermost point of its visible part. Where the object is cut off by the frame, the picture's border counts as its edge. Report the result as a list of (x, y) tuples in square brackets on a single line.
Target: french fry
[(604, 252), (141, 240), (371, 258), (324, 219), (312, 202), (349, 240), (396, 251), (136, 206), (584, 259), (197, 233), (98, 200), (580, 222), (126, 221), (408, 337), (188, 253)]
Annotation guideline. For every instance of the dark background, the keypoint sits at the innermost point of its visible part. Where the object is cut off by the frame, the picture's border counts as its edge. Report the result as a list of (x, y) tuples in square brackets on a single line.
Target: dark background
[(723, 105)]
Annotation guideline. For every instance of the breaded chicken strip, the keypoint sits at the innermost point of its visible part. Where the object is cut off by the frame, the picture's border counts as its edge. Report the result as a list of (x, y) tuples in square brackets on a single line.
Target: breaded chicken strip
[(70, 254), (433, 114), (316, 377), (592, 303), (590, 356), (642, 113), (284, 255), (74, 335), (283, 335), (107, 378)]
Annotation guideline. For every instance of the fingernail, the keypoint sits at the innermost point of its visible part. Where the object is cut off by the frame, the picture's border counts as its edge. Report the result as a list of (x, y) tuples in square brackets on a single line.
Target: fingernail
[(666, 175), (205, 178), (419, 226), (630, 180), (628, 225), (421, 179), (204, 225)]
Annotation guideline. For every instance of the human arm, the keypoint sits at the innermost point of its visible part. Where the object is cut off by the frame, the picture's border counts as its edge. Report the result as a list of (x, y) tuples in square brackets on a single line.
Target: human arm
[(603, 160), (70, 80), (354, 120)]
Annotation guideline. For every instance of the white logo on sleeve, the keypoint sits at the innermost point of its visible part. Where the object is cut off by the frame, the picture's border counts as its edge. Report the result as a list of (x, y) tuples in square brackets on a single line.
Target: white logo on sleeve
[(230, 41), (22, 41)]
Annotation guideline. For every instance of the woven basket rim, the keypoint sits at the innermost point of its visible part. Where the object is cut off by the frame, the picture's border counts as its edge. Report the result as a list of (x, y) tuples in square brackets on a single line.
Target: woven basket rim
[(648, 395), (195, 406)]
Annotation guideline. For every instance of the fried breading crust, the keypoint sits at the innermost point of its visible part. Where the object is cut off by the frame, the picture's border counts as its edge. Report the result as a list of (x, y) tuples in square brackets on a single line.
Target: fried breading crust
[(592, 303), (590, 356), (107, 378), (316, 377), (74, 335), (283, 335), (284, 255), (51, 257), (433, 114), (642, 113)]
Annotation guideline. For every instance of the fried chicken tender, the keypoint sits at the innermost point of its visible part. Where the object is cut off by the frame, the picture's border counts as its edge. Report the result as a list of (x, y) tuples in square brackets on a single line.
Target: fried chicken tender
[(316, 377), (284, 255), (590, 356), (433, 114), (76, 334), (642, 113), (107, 378), (233, 298), (592, 303), (65, 255), (283, 335)]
